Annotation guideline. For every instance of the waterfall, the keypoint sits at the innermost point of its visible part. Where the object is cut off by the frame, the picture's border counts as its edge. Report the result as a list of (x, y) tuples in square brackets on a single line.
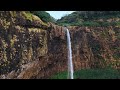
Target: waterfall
[(70, 63)]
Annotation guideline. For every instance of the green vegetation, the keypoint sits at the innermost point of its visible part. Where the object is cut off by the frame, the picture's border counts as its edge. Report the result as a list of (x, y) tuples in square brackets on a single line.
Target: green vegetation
[(44, 16), (116, 56), (90, 18), (61, 75), (118, 34), (107, 73), (87, 23), (28, 15)]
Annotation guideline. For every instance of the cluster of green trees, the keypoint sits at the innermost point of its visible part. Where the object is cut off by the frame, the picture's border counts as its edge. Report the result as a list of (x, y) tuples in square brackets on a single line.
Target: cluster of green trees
[(81, 18), (86, 18), (44, 16)]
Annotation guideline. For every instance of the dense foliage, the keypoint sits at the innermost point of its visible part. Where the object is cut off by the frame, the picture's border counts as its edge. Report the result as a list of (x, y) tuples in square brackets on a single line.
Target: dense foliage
[(89, 18), (107, 73), (44, 16)]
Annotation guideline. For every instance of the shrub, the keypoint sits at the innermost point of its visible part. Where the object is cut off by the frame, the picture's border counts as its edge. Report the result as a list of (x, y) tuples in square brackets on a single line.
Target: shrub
[(107, 73), (90, 18), (44, 16)]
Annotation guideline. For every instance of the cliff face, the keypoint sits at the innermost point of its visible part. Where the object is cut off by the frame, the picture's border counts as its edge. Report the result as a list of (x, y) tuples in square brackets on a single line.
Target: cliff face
[(23, 43), (95, 47), (92, 47), (30, 48)]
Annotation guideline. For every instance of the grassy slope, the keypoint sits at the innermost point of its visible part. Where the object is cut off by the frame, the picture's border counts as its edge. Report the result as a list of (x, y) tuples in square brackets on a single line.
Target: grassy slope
[(91, 74)]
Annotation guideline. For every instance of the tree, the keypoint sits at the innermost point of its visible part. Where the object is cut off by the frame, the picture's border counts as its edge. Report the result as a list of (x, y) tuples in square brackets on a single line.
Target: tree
[(90, 18), (44, 16)]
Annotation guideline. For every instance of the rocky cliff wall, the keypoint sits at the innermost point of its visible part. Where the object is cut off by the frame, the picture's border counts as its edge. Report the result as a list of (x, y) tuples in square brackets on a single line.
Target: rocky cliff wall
[(95, 47), (23, 43)]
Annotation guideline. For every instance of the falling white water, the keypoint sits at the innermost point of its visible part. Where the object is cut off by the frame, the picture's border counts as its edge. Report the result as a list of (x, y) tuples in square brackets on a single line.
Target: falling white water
[(70, 63)]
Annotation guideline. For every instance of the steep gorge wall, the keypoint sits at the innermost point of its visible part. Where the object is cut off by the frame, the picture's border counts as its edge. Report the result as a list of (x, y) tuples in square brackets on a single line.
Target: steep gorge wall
[(96, 47), (92, 47), (30, 48), (23, 44)]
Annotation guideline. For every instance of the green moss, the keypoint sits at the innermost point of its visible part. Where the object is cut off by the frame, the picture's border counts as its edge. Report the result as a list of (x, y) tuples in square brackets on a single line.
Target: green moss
[(118, 34), (116, 56), (13, 13), (28, 15), (104, 34), (12, 41), (5, 23)]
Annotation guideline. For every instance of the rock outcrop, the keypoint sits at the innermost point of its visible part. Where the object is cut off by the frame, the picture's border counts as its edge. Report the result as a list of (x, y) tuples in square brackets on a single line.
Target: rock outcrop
[(95, 47), (32, 49), (23, 43)]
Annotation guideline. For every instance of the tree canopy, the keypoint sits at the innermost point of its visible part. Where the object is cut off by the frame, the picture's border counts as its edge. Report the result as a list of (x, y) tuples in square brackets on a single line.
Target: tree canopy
[(88, 18), (44, 16)]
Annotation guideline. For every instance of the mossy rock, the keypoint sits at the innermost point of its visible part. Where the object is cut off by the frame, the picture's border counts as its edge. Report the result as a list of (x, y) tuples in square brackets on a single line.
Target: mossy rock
[(13, 13), (27, 16)]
